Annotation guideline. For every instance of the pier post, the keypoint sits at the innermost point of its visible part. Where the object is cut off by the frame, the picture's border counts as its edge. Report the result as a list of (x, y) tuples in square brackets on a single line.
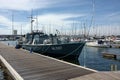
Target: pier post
[(31, 50), (113, 67)]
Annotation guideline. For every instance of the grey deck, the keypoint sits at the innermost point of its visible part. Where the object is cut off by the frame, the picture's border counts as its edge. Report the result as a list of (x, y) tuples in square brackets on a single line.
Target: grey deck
[(114, 75), (39, 67)]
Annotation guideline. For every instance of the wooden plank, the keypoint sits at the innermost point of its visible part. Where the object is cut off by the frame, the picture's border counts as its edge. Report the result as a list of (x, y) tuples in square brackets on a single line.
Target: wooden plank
[(100, 76), (34, 66)]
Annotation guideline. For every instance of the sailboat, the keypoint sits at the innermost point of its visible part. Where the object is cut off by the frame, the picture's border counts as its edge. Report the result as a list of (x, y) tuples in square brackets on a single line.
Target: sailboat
[(99, 43)]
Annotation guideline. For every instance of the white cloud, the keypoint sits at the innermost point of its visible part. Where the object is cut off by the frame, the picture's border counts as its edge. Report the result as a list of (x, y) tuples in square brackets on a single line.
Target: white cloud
[(56, 21), (4, 21), (113, 14), (36, 4), (3, 31), (53, 19), (113, 17), (6, 25), (23, 4), (51, 22)]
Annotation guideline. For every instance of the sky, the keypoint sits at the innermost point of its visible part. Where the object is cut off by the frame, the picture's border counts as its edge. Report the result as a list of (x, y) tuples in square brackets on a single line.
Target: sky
[(100, 17)]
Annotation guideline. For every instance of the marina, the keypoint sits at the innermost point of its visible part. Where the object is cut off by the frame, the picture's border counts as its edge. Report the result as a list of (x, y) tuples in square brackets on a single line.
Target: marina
[(92, 57), (23, 65), (59, 40)]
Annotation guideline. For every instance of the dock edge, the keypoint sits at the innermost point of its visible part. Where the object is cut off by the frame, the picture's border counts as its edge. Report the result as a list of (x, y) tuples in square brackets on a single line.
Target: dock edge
[(14, 74)]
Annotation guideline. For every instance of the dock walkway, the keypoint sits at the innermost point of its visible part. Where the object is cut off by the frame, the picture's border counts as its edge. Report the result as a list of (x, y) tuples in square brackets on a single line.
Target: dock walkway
[(22, 65), (25, 66)]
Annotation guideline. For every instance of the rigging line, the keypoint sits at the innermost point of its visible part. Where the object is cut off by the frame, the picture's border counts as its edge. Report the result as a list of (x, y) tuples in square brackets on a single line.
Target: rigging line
[(46, 49), (92, 19), (71, 52)]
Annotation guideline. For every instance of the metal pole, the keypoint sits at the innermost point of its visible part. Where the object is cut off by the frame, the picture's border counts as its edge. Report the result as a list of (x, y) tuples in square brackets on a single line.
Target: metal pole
[(12, 22)]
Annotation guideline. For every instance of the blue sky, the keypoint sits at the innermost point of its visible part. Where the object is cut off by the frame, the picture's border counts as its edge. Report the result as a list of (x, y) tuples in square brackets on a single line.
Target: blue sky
[(65, 15)]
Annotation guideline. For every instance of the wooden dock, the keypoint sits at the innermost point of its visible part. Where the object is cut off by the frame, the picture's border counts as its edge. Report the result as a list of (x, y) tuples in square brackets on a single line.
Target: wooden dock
[(22, 65), (113, 75)]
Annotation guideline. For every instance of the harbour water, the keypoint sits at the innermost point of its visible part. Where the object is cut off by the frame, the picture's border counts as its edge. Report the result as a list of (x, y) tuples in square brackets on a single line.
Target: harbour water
[(10, 43), (1, 75), (91, 57)]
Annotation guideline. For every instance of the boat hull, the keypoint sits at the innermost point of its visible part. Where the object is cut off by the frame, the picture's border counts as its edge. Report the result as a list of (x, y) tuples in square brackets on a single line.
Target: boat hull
[(69, 50)]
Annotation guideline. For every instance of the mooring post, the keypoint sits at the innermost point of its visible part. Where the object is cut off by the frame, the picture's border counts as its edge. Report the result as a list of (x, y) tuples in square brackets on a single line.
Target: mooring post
[(113, 67), (31, 50)]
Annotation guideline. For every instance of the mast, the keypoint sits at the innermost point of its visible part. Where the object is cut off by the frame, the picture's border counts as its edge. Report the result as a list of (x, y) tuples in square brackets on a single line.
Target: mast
[(75, 28), (12, 23), (31, 22), (21, 29), (31, 19), (92, 23), (50, 28), (84, 30), (36, 21)]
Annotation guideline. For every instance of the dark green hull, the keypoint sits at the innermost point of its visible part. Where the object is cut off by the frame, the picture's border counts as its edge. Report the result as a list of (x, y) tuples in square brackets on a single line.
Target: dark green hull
[(69, 50)]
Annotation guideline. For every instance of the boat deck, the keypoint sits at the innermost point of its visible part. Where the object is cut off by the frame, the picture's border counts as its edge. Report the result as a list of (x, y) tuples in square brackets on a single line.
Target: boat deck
[(24, 65)]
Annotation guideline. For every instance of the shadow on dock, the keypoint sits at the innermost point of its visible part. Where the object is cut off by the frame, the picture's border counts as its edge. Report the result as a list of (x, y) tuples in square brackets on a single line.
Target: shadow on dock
[(70, 59)]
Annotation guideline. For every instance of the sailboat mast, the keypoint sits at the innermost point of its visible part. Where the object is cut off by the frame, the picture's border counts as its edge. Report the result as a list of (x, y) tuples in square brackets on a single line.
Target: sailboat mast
[(12, 23), (21, 29), (84, 30)]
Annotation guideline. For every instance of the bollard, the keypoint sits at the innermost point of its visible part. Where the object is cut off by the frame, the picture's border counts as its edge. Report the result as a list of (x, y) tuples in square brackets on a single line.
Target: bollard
[(113, 67), (31, 50)]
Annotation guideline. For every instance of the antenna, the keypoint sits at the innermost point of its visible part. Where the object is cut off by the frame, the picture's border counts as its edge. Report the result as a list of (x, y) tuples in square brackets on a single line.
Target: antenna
[(37, 21), (31, 19)]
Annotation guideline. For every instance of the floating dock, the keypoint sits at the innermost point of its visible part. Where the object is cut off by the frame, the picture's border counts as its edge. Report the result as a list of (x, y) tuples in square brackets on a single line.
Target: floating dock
[(19, 64), (111, 56)]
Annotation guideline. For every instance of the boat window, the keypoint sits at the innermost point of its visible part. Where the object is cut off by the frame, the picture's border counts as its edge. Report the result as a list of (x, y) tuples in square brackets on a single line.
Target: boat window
[(36, 38), (29, 39), (41, 35)]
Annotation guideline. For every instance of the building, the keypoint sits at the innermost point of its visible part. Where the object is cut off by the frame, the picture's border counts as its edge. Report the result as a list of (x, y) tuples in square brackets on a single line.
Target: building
[(14, 32)]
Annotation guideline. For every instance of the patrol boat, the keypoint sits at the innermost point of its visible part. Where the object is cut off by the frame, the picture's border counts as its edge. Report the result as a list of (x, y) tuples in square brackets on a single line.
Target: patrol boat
[(52, 45)]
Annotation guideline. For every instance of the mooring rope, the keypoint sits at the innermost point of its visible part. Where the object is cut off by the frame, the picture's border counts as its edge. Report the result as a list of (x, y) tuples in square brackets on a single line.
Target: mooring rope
[(71, 52)]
